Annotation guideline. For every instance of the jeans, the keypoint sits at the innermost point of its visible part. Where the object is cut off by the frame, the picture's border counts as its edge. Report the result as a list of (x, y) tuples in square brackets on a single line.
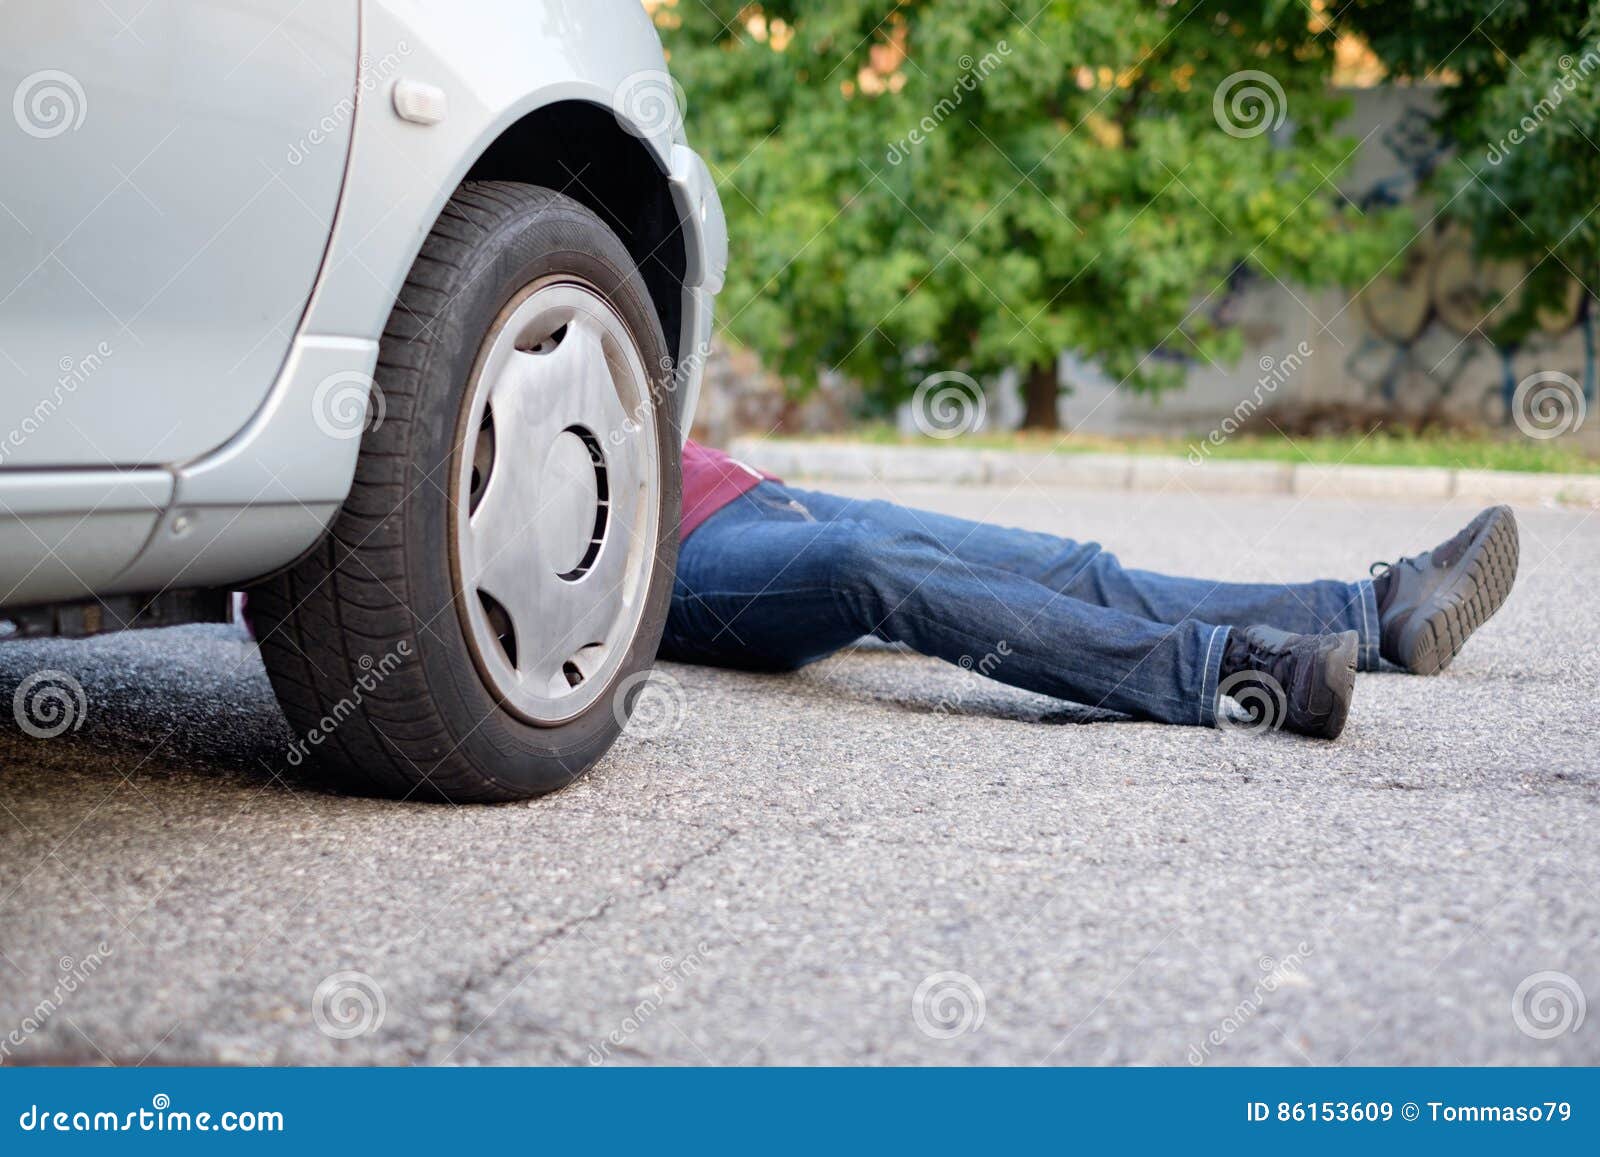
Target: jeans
[(782, 577)]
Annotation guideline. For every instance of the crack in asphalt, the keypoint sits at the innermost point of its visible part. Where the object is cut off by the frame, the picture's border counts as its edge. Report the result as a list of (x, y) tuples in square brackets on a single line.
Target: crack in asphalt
[(511, 962)]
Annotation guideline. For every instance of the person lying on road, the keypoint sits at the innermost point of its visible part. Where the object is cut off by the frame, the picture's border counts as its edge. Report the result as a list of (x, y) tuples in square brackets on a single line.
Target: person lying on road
[(771, 578)]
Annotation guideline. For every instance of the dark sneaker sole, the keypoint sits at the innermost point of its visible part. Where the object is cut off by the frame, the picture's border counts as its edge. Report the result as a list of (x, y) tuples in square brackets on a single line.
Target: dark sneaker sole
[(1330, 707), (1484, 575)]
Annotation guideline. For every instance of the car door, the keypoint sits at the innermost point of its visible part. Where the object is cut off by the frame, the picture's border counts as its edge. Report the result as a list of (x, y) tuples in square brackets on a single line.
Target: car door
[(169, 171)]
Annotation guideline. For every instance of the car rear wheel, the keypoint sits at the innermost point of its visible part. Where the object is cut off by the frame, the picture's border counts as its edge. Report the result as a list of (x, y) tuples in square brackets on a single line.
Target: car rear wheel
[(499, 576)]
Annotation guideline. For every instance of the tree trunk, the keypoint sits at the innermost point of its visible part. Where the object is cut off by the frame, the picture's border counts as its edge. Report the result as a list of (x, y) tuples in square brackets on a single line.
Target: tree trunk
[(1039, 393)]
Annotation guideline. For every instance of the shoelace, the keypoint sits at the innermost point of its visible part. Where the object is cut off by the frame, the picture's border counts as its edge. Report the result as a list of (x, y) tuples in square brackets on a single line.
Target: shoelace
[(1381, 567), (1411, 560), (1269, 661)]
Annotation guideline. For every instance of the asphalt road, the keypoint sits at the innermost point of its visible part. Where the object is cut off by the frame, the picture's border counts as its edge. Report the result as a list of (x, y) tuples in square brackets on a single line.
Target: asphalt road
[(878, 860)]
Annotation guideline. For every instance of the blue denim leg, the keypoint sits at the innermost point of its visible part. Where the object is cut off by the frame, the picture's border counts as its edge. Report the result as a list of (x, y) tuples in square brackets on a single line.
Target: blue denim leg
[(1086, 572), (768, 584)]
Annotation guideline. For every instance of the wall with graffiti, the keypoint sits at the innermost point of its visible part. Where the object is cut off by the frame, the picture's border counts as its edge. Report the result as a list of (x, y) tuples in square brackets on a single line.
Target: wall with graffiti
[(1415, 341)]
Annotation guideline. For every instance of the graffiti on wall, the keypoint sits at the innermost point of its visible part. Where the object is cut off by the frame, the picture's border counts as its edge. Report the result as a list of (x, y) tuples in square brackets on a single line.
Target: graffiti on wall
[(1430, 316)]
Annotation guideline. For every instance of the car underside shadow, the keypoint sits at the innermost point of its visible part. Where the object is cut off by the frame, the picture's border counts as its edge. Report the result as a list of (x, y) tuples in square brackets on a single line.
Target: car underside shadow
[(193, 696)]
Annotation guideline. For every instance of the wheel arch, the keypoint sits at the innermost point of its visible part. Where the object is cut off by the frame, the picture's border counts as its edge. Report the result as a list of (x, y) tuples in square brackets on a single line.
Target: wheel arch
[(579, 148)]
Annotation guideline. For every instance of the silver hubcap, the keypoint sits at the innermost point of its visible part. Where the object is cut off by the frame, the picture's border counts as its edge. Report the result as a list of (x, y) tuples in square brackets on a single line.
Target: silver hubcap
[(555, 500)]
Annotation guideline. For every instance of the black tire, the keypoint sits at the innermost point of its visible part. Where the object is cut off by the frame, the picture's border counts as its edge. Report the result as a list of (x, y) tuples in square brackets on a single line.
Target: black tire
[(425, 725)]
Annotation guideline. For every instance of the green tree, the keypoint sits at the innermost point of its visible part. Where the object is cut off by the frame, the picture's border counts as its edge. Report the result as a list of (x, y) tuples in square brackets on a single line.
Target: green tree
[(967, 185), (1521, 104)]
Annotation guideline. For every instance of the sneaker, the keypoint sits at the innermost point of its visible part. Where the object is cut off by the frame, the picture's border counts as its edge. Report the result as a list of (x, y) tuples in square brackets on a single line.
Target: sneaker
[(1301, 682), (1428, 606)]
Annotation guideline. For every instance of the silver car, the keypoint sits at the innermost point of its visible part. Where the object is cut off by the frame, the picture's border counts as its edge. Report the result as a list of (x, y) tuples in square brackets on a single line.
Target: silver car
[(391, 312)]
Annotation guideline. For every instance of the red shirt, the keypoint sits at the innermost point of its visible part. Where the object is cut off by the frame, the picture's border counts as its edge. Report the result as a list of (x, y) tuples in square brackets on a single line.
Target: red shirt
[(711, 480)]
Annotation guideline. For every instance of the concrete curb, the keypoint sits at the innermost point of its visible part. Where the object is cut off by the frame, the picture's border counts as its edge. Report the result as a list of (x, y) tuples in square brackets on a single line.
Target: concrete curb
[(857, 462)]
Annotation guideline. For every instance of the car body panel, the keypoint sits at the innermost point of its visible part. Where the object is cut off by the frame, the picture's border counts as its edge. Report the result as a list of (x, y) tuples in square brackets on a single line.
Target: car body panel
[(146, 166), (70, 532)]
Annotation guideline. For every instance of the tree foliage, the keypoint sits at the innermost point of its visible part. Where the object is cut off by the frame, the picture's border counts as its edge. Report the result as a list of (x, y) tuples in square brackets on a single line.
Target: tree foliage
[(1521, 103), (965, 184)]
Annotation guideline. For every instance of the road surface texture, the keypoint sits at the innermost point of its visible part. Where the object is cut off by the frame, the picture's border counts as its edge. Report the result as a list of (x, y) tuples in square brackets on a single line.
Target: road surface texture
[(878, 860)]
